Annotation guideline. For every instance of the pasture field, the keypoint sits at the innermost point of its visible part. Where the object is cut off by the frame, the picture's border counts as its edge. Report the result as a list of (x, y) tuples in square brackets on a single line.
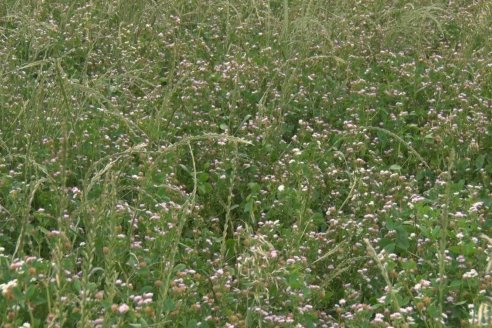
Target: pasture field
[(245, 163)]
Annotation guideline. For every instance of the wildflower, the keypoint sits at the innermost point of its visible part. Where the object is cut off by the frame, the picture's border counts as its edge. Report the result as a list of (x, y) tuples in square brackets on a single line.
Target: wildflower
[(379, 318), (7, 288), (16, 265), (470, 274), (123, 308), (396, 316), (475, 207)]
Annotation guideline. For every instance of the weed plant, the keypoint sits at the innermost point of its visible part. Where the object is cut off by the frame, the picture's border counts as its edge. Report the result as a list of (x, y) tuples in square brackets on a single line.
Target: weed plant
[(245, 163)]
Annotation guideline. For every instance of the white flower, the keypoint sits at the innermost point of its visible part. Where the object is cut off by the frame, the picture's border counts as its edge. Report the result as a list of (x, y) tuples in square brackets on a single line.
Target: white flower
[(379, 318), (281, 188), (425, 283), (470, 274), (475, 207), (5, 288), (123, 308), (396, 316)]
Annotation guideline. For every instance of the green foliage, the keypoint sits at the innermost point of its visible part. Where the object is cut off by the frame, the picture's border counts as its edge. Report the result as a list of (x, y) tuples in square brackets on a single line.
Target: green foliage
[(245, 163)]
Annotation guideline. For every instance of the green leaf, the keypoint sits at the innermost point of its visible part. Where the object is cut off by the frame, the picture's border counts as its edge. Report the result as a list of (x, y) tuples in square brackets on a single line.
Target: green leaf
[(395, 167), (469, 249), (184, 168), (202, 190), (388, 245), (169, 305), (390, 224), (309, 323), (30, 292), (76, 285), (402, 241), (433, 311), (409, 265), (230, 245), (455, 249), (456, 284), (479, 162), (402, 300), (202, 177), (294, 281), (179, 267), (248, 207), (19, 295), (254, 187), (328, 296)]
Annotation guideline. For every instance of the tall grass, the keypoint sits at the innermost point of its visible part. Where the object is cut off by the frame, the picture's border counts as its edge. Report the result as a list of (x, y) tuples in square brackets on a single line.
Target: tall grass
[(245, 163)]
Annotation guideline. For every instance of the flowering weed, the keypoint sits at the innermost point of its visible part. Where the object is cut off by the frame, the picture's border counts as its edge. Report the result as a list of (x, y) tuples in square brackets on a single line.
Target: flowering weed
[(245, 163)]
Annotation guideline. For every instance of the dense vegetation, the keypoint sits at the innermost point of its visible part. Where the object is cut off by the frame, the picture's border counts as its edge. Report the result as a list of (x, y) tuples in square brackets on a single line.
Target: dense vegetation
[(245, 163)]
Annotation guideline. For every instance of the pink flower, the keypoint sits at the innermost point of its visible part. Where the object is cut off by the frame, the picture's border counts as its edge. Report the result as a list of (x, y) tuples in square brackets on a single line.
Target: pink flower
[(123, 308)]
